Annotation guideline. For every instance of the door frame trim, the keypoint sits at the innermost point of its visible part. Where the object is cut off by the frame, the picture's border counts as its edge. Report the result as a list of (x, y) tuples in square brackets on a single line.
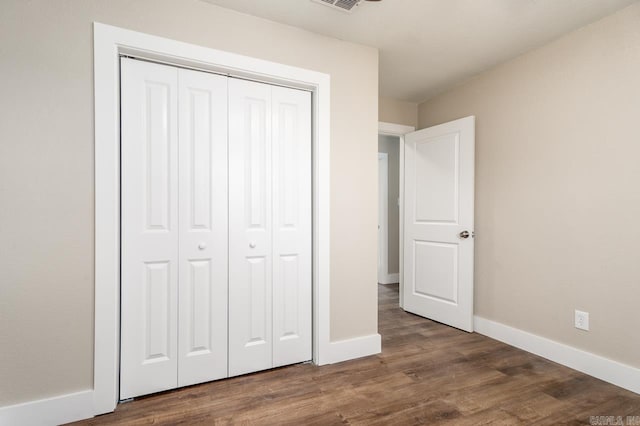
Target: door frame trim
[(399, 130), (383, 220), (109, 44)]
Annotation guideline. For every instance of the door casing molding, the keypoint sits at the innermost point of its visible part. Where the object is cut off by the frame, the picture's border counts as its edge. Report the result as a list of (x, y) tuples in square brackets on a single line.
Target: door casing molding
[(109, 44), (383, 219)]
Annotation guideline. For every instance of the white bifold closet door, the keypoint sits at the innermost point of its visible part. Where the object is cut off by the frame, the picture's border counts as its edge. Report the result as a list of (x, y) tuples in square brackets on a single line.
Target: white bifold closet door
[(269, 226), (216, 227), (174, 228)]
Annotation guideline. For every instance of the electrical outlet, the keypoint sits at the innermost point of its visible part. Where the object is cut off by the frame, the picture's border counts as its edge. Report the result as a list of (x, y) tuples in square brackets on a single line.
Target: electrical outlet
[(582, 320)]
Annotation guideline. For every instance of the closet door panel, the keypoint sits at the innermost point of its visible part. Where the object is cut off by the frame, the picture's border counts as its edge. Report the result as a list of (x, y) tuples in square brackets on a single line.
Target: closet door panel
[(149, 282), (250, 219), (291, 226), (203, 258)]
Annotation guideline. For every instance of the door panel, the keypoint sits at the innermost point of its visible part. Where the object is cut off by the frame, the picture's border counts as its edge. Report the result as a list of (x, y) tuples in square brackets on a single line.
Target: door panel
[(437, 267), (436, 177), (149, 286), (203, 255), (250, 242), (439, 199), (291, 225), (157, 298)]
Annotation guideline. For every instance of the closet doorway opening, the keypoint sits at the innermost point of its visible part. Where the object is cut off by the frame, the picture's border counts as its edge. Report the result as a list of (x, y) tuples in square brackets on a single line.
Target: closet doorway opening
[(215, 224), (110, 44)]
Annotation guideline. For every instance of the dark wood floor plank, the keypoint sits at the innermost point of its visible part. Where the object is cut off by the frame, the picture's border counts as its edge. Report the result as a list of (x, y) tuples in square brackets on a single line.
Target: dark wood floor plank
[(428, 373)]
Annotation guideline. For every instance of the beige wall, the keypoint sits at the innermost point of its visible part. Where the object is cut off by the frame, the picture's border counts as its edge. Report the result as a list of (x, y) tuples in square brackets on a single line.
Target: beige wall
[(397, 112), (558, 186), (46, 172), (391, 146)]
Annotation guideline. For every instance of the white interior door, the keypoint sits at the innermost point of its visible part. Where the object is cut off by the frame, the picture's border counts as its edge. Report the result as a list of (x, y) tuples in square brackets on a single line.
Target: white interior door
[(438, 222), (149, 286), (291, 143), (202, 309)]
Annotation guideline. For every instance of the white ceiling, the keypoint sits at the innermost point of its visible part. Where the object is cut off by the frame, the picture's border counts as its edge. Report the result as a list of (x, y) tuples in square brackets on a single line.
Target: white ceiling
[(427, 46)]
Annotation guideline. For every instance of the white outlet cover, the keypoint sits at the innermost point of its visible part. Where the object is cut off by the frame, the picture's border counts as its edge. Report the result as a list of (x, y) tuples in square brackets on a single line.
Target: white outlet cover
[(582, 320)]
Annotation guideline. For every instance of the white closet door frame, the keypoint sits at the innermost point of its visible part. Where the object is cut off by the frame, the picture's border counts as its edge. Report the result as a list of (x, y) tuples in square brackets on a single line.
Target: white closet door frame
[(109, 44)]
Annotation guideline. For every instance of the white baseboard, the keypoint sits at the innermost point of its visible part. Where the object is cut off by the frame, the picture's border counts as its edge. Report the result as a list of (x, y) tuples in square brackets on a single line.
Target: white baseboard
[(358, 347), (389, 278), (606, 369), (49, 411)]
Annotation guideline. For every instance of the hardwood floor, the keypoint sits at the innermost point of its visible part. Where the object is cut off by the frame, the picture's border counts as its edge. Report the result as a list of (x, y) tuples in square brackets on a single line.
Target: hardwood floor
[(427, 373)]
